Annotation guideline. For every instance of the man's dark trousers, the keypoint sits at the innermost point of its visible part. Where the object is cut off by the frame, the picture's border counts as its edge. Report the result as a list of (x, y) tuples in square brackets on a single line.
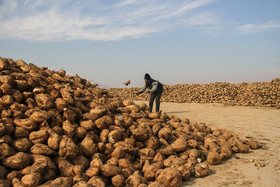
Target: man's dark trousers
[(155, 95)]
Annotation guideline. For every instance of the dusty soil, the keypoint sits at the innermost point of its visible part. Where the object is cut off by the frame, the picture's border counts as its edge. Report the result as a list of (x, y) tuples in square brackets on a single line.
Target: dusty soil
[(259, 167)]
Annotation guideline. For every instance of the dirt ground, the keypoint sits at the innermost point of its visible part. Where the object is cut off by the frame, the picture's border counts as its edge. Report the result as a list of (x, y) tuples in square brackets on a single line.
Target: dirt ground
[(256, 123)]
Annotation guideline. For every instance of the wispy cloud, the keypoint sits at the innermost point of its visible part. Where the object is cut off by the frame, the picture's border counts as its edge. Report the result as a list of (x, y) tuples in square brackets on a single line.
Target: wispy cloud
[(41, 20), (127, 2), (94, 20), (258, 27)]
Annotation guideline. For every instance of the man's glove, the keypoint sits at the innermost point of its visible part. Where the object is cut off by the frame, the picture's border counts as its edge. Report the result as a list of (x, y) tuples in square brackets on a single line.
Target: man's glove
[(138, 93)]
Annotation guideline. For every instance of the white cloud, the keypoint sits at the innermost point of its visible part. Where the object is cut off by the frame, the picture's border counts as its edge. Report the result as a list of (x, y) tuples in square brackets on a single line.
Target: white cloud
[(190, 6), (181, 10), (204, 18), (259, 27), (40, 20), (127, 2)]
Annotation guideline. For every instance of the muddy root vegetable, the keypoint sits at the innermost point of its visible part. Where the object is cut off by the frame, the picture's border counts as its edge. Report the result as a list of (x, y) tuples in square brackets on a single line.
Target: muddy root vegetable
[(68, 128), (114, 136), (110, 170), (96, 181), (26, 123), (61, 130), (18, 161), (244, 94), (170, 177), (44, 101), (201, 169), (32, 179), (88, 145), (22, 144), (150, 170), (88, 124), (60, 181), (135, 180), (41, 149), (173, 161), (118, 180), (68, 149), (53, 140), (39, 117), (179, 145), (213, 158), (38, 136)]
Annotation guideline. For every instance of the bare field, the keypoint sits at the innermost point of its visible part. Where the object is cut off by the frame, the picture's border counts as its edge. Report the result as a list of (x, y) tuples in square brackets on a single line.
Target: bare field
[(257, 123)]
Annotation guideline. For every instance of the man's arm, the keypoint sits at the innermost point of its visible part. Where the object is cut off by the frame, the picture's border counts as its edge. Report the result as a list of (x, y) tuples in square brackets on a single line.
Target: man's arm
[(154, 88), (142, 90)]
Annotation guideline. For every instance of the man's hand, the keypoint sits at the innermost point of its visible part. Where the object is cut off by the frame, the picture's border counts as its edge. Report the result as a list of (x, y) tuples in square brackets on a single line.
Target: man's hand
[(146, 91)]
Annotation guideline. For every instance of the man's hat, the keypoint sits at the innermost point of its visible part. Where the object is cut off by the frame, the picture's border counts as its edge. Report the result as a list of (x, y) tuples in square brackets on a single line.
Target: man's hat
[(147, 76)]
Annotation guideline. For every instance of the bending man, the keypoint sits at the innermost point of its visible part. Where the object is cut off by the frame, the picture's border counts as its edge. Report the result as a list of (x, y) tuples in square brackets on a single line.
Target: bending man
[(155, 88)]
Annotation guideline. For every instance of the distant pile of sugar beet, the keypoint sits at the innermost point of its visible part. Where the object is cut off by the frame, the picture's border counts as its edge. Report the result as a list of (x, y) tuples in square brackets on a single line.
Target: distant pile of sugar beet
[(60, 130), (243, 94)]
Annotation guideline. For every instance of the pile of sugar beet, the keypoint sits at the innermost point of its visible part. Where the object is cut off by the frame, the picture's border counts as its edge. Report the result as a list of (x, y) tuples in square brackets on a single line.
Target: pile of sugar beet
[(60, 130), (264, 94)]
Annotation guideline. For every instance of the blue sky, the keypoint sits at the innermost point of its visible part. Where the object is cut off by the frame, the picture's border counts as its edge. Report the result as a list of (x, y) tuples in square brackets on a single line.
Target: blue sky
[(110, 42)]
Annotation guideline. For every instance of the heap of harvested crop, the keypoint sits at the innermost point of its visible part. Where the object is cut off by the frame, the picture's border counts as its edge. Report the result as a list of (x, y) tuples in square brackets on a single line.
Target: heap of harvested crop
[(59, 130), (244, 94)]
